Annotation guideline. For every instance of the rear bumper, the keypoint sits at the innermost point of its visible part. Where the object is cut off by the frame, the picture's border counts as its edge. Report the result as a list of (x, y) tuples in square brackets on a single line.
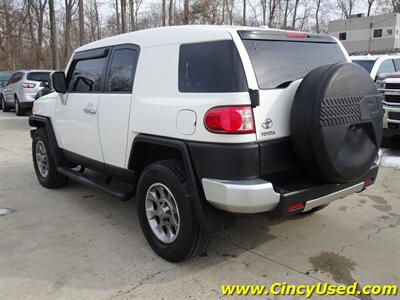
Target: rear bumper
[(257, 195)]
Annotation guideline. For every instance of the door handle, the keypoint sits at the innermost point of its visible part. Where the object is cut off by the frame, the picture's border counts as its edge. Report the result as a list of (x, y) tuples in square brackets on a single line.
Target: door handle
[(90, 109)]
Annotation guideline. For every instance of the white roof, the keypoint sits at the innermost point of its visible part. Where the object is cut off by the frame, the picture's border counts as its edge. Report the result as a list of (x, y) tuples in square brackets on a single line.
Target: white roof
[(171, 35), (373, 57)]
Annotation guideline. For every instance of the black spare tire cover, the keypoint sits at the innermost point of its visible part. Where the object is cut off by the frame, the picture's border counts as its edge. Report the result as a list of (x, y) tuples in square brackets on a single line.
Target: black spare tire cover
[(336, 122)]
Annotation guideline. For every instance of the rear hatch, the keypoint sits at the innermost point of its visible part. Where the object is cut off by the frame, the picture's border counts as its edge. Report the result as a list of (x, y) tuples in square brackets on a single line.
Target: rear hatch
[(280, 60), (36, 81)]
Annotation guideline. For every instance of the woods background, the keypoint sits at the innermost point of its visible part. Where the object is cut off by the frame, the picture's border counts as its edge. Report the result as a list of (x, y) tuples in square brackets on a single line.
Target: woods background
[(43, 33)]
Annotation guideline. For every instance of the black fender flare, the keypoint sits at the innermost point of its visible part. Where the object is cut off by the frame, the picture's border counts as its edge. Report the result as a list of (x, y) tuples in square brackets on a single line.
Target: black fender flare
[(211, 219), (45, 122)]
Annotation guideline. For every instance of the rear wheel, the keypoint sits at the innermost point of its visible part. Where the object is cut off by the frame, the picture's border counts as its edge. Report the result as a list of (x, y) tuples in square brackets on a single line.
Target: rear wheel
[(45, 167), (166, 212), (6, 108), (18, 109)]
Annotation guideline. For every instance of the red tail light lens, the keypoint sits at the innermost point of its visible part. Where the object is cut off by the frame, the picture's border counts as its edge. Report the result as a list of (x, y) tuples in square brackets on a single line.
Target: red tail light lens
[(28, 85), (368, 181), (230, 119), (296, 206)]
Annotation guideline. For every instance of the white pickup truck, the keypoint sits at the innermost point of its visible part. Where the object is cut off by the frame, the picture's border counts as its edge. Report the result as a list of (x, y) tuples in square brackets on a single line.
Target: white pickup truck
[(389, 86)]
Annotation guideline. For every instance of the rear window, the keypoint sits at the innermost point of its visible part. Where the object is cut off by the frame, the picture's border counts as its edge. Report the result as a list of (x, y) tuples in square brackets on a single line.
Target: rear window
[(277, 63), (366, 64), (211, 67), (38, 76)]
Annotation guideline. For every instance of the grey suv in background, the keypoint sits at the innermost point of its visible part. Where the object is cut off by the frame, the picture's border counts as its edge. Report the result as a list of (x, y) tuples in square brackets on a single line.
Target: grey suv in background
[(4, 76), (21, 89)]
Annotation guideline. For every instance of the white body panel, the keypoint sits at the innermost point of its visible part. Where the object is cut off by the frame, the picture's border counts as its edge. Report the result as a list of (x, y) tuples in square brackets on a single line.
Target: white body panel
[(113, 119), (78, 130)]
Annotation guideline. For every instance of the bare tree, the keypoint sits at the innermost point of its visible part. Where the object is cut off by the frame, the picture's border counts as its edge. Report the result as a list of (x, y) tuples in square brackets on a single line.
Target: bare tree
[(53, 35), (317, 12), (170, 12), (244, 12), (295, 8), (123, 16), (186, 12), (346, 7), (81, 22), (370, 4), (70, 9), (264, 11), (117, 15)]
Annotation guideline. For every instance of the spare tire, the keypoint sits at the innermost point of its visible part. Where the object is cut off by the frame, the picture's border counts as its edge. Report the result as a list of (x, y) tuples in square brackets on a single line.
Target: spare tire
[(336, 122)]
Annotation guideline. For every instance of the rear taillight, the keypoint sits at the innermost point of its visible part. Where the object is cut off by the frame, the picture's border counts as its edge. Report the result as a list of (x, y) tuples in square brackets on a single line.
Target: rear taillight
[(28, 85), (230, 119), (295, 206), (368, 181)]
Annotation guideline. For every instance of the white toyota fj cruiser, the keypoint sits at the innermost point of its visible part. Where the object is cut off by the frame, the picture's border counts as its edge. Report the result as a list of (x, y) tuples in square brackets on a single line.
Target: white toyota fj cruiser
[(204, 122)]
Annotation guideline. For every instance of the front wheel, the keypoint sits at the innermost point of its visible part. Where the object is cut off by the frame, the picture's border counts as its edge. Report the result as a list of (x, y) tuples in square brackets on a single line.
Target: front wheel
[(166, 212), (45, 167), (18, 109)]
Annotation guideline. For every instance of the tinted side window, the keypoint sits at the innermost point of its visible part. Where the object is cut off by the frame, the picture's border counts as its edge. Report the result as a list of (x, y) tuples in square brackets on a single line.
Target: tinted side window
[(386, 67), (211, 67), (122, 70), (86, 76), (18, 76), (12, 79), (397, 64)]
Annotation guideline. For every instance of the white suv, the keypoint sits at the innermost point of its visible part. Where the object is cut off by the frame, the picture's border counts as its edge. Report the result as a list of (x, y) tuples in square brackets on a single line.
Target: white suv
[(203, 122)]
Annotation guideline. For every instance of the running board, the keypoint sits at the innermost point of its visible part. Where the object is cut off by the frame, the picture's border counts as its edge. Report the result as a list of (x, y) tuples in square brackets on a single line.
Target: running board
[(81, 178)]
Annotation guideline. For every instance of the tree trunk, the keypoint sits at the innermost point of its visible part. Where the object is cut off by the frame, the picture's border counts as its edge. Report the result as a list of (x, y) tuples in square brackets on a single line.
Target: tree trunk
[(117, 15), (131, 16), (186, 12), (170, 12), (53, 35), (296, 4), (81, 22), (123, 16), (285, 16), (163, 13), (67, 29), (244, 12), (318, 30)]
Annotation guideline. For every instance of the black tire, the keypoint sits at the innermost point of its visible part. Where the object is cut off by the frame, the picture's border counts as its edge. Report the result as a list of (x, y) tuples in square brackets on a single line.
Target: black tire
[(53, 179), (1, 101), (190, 240), (6, 108), (18, 110)]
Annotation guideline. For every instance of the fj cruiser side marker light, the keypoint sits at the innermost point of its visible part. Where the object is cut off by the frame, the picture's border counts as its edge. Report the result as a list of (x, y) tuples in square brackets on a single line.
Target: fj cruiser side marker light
[(296, 206), (230, 119)]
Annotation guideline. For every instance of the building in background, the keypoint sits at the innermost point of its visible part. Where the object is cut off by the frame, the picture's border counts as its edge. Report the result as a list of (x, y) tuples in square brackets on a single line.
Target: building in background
[(364, 35)]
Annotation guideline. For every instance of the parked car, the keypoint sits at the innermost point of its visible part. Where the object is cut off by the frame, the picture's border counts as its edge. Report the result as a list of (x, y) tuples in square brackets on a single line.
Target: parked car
[(21, 89), (389, 86), (378, 65), (204, 122), (4, 76)]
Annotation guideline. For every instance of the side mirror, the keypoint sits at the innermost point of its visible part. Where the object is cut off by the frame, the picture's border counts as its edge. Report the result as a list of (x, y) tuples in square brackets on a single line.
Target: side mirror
[(59, 82)]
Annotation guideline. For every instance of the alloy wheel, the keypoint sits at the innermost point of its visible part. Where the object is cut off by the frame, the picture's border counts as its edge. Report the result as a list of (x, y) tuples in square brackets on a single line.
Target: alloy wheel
[(162, 213)]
